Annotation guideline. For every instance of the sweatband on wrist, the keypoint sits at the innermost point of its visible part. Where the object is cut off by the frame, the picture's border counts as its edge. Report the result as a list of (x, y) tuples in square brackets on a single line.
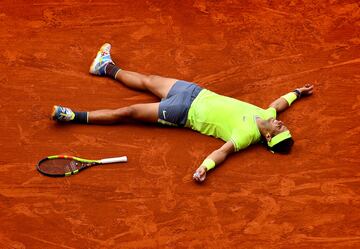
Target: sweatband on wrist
[(208, 163), (298, 93), (290, 97)]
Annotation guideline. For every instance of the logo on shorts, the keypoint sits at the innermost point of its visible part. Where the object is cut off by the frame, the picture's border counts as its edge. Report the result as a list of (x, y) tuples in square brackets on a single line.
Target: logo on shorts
[(164, 114)]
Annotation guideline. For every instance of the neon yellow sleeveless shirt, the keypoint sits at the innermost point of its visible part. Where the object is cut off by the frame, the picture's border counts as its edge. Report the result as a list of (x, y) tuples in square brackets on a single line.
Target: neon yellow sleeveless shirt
[(227, 118)]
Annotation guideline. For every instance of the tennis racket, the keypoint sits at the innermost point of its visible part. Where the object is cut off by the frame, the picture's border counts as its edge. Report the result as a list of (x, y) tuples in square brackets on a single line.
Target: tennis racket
[(64, 165)]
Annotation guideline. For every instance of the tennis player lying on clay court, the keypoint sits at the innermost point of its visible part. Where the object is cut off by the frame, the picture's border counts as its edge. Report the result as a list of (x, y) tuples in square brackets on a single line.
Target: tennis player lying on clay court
[(185, 104)]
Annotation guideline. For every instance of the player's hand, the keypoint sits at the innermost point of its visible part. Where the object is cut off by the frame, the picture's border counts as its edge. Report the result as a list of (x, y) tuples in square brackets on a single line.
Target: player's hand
[(200, 174), (306, 90)]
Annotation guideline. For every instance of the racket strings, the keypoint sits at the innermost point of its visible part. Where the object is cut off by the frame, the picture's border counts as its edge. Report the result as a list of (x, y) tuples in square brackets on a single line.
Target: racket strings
[(59, 166)]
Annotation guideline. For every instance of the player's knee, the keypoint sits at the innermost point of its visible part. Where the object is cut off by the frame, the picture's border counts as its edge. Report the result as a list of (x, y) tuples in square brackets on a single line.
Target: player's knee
[(145, 81), (152, 78), (124, 112), (131, 111), (149, 81)]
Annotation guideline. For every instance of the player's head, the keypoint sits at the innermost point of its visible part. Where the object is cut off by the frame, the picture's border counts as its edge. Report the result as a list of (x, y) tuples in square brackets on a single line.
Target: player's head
[(278, 137)]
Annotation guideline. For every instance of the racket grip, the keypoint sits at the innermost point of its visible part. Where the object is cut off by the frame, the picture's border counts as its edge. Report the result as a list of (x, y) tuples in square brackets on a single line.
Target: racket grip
[(121, 159)]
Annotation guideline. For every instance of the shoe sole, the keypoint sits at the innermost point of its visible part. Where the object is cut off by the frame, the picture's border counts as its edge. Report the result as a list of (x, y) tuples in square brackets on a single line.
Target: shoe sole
[(93, 64)]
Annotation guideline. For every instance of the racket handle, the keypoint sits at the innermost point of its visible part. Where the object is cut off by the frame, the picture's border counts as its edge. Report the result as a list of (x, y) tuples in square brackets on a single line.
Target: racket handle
[(121, 159)]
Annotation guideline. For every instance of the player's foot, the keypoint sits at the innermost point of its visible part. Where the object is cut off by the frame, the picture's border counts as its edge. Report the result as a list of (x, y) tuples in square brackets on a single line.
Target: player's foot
[(101, 60), (62, 114)]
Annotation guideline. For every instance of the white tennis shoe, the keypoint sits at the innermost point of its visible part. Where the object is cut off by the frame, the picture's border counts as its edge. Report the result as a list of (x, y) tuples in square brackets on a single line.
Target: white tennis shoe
[(101, 60), (62, 114)]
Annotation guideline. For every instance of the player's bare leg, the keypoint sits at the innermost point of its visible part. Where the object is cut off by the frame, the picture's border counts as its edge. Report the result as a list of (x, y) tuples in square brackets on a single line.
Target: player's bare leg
[(139, 112), (103, 65), (159, 86)]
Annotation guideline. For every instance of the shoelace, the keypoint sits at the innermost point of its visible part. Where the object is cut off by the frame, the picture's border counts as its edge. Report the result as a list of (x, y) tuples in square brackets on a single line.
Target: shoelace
[(103, 53)]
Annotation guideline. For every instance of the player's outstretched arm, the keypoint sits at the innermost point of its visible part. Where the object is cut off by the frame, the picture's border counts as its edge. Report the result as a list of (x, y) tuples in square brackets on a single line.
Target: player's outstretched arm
[(282, 103), (215, 158)]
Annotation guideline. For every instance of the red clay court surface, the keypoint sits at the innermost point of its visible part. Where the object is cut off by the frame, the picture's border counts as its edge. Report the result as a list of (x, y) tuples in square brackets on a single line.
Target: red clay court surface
[(251, 50)]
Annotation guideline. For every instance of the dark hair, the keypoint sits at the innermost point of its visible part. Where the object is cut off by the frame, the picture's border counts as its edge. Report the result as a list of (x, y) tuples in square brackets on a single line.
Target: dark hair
[(283, 147)]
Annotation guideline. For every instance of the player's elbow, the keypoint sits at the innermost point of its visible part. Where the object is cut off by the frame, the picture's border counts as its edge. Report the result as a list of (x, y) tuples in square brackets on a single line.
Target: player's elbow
[(279, 105), (275, 105), (222, 154)]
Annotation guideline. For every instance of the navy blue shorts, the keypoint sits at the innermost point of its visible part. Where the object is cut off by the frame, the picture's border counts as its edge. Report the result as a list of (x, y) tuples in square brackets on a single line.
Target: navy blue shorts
[(174, 109)]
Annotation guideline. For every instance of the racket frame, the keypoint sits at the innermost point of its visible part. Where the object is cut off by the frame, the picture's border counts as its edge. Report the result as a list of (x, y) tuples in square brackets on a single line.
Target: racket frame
[(82, 160)]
